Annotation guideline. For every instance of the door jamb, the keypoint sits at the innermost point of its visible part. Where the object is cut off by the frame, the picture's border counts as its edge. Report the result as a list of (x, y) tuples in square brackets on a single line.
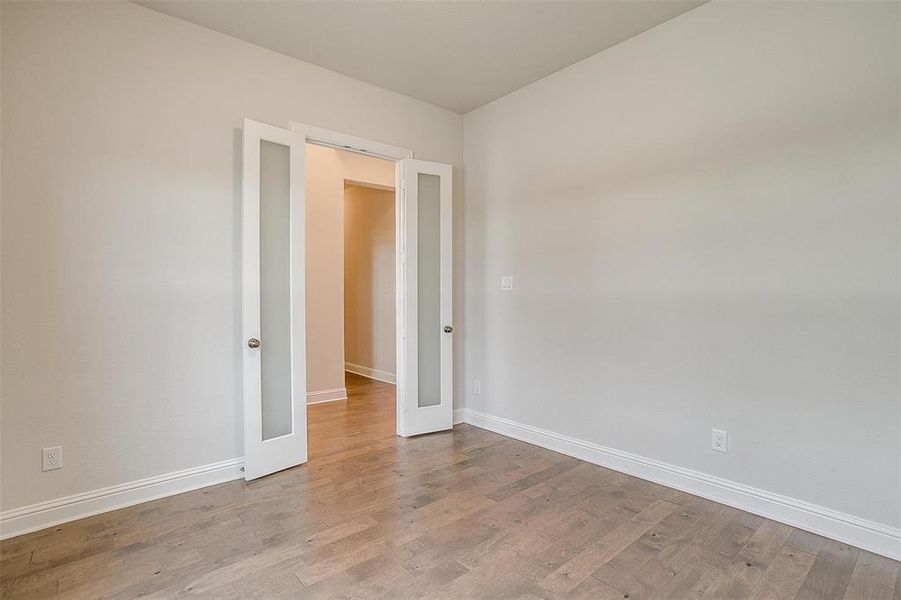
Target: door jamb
[(351, 143)]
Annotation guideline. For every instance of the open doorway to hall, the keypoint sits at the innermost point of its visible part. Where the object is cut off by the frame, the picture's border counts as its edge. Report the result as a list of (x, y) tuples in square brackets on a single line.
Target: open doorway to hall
[(351, 303)]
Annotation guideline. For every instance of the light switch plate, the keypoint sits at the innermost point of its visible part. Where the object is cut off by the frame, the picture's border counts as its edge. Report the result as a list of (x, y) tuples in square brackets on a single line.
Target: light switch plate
[(507, 283)]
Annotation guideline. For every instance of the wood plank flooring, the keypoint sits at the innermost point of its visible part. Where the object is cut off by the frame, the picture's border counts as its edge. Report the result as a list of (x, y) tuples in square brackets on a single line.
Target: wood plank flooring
[(461, 514)]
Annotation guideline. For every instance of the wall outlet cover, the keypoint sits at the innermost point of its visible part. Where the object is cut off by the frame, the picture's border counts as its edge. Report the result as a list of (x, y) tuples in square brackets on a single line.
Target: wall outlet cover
[(52, 458), (507, 282), (720, 441), (476, 387)]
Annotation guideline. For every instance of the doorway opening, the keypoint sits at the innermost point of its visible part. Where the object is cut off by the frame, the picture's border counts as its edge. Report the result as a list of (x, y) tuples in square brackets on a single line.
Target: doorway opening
[(351, 301), (292, 315)]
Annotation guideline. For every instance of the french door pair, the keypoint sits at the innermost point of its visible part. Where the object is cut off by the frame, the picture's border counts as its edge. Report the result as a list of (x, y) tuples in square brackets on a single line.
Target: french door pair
[(274, 289)]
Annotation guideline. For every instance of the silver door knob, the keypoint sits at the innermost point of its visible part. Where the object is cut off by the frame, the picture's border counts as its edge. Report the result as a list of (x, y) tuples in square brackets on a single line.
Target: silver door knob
[(253, 343), (448, 329)]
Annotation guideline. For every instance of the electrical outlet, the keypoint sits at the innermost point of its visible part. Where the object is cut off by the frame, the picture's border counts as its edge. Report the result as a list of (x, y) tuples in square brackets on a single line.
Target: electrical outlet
[(507, 283), (52, 458), (476, 387), (720, 441)]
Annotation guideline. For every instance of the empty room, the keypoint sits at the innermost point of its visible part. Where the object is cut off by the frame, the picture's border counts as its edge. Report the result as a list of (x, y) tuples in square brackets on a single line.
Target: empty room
[(546, 299)]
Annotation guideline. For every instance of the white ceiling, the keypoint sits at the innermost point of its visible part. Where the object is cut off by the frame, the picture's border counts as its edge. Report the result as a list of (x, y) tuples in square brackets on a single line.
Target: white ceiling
[(458, 55)]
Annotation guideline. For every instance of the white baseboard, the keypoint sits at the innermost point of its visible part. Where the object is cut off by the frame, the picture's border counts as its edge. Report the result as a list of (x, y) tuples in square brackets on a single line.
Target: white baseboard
[(863, 533), (62, 510), (326, 396), (371, 373)]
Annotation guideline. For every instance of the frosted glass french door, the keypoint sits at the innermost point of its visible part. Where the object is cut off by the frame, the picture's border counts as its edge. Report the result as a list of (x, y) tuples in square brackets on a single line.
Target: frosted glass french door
[(425, 351), (273, 319)]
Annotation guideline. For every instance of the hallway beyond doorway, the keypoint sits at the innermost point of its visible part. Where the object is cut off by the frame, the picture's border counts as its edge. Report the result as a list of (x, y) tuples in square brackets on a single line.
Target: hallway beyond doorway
[(367, 417)]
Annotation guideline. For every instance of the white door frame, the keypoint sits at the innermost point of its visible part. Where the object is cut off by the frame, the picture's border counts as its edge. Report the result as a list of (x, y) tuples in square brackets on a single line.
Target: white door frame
[(343, 141)]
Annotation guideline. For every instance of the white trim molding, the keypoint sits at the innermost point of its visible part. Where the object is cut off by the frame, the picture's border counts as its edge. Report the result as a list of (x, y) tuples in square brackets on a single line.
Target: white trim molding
[(863, 533), (62, 510), (352, 143), (371, 373), (326, 395)]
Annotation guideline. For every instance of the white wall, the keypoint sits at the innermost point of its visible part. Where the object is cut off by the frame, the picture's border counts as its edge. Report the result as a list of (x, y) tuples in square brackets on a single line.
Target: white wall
[(369, 280), (327, 169), (703, 223), (121, 231), (1, 242)]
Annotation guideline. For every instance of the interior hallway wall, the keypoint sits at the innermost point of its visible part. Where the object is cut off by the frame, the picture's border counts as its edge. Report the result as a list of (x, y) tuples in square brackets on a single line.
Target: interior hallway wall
[(327, 169), (703, 226), (121, 237), (369, 276)]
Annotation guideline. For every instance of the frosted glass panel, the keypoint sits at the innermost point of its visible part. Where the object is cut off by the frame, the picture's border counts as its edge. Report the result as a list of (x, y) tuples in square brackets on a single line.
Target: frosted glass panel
[(429, 292), (275, 293)]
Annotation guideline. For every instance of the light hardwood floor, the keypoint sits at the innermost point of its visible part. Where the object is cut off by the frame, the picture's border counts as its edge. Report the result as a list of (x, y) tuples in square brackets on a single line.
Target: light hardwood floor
[(461, 514)]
